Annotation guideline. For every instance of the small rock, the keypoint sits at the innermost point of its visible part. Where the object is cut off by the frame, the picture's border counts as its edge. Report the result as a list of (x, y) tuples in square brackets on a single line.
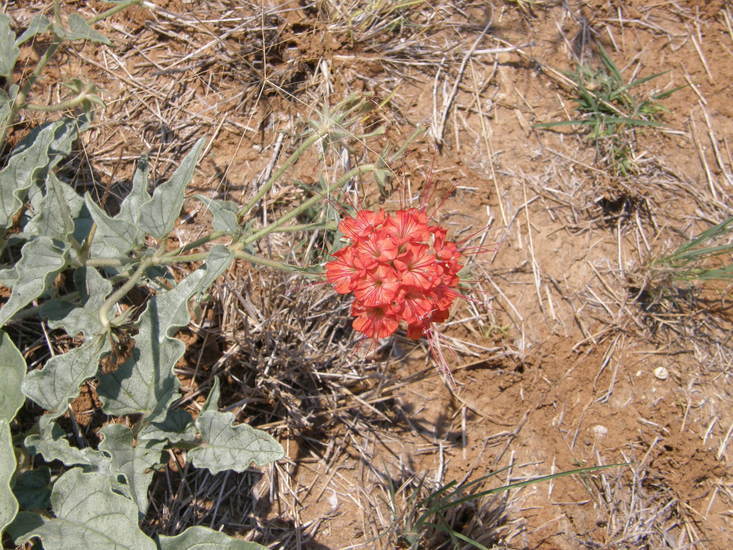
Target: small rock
[(661, 373), (599, 431)]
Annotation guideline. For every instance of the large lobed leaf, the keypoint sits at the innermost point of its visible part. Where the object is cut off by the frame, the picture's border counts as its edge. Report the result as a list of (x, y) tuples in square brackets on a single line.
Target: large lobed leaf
[(176, 426), (201, 538), (37, 154), (9, 51), (225, 446), (135, 462), (145, 383), (8, 504), (89, 514), (40, 260), (79, 29), (158, 215), (52, 444), (57, 383), (82, 315), (58, 213), (12, 368), (113, 236), (38, 24), (225, 214)]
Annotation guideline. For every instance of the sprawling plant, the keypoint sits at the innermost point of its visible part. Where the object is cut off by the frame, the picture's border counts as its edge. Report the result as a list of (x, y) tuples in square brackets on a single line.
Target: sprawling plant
[(72, 265)]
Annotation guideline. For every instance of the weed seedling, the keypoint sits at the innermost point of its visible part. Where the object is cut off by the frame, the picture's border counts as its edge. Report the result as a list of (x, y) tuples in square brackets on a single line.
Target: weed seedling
[(611, 111), (455, 516), (692, 260)]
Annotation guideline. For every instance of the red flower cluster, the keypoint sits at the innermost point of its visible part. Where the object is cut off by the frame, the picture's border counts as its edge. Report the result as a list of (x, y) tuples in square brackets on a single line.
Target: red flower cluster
[(399, 269)]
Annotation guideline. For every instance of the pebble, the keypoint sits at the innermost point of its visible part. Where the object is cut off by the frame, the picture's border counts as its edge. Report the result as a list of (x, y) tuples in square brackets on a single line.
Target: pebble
[(599, 430), (661, 373)]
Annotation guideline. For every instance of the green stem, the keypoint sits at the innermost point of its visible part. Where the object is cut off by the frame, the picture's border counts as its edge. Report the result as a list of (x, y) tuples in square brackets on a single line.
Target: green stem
[(241, 255), (122, 291), (110, 12), (63, 106), (305, 227), (108, 262), (190, 246), (21, 99), (307, 204), (292, 159)]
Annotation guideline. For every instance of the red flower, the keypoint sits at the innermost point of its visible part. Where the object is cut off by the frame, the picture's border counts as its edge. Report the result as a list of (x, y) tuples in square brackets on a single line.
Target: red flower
[(374, 322), (413, 305), (399, 268), (363, 225), (378, 248), (346, 268), (418, 267), (378, 287), (407, 226)]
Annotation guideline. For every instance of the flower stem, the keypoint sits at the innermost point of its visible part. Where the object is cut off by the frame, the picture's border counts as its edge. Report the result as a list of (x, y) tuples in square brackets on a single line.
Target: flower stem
[(307, 204), (292, 159)]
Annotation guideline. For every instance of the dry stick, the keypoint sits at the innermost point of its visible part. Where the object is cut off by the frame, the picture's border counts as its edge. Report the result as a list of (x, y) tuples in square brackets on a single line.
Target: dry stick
[(268, 172), (727, 18), (485, 133), (438, 133), (716, 149), (724, 443), (695, 89), (143, 88), (533, 260), (703, 160), (702, 56)]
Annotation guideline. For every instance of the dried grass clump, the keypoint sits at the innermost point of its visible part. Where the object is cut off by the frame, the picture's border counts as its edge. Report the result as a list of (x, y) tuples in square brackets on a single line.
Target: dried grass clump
[(413, 511), (291, 359), (635, 509)]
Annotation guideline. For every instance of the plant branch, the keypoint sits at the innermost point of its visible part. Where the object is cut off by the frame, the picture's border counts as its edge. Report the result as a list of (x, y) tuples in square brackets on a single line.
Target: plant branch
[(310, 202), (122, 291), (292, 159)]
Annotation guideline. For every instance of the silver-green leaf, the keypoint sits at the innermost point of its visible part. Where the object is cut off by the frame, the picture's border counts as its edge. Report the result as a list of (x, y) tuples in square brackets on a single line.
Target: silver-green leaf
[(145, 383), (38, 25), (225, 214), (9, 51), (79, 29), (40, 260), (132, 206), (84, 318), (225, 446), (57, 383), (158, 215), (38, 153), (6, 103), (12, 370), (134, 461), (8, 504), (114, 236), (202, 538), (177, 426), (57, 212), (89, 514), (51, 443), (212, 401)]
